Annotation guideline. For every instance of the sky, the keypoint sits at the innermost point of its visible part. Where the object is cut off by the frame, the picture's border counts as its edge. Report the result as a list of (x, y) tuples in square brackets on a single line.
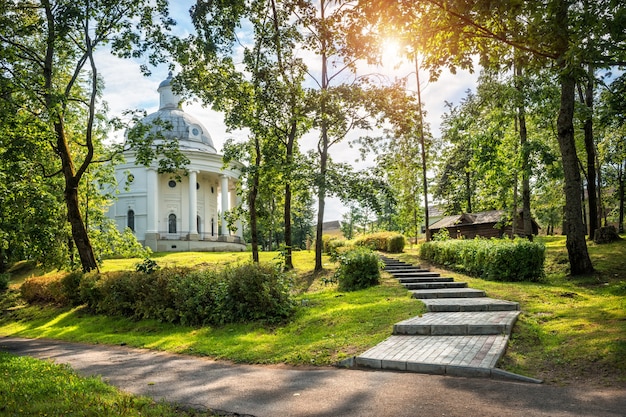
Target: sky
[(126, 88)]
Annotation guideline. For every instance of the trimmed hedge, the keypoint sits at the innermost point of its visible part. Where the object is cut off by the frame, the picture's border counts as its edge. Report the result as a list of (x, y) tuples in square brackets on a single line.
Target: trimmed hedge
[(176, 295), (358, 269), (494, 259), (390, 242)]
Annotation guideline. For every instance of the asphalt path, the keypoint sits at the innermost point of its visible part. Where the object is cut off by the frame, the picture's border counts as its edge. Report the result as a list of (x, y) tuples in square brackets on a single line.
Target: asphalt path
[(291, 391)]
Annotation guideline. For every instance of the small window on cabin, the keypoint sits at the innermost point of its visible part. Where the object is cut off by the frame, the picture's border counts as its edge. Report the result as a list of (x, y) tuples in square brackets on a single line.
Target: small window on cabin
[(171, 223)]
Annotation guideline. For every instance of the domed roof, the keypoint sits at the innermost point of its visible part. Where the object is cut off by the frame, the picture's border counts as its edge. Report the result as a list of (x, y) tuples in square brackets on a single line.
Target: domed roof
[(170, 122)]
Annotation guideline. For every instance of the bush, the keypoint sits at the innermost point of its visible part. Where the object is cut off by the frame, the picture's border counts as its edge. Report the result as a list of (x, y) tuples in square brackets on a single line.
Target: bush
[(44, 289), (358, 269), (70, 285), (495, 259), (257, 292), (4, 281), (180, 295), (383, 241)]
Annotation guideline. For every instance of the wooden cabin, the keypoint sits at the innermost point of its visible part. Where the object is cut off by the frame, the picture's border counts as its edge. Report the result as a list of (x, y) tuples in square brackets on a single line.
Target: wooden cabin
[(494, 223)]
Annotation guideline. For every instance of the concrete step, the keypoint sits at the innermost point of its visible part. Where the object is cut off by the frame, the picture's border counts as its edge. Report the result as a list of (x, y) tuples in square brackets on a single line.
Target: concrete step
[(424, 279), (401, 267), (458, 324), (448, 293), (413, 274), (404, 269), (433, 285), (451, 355), (469, 304)]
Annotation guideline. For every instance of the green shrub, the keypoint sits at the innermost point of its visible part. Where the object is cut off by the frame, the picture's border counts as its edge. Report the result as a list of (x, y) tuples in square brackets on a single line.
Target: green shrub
[(258, 292), (495, 259), (70, 285), (395, 243), (44, 289), (147, 266), (179, 295), (335, 247), (383, 241), (4, 281), (358, 269)]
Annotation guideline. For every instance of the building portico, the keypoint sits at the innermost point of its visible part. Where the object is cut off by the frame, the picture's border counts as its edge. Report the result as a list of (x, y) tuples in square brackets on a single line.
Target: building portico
[(179, 213)]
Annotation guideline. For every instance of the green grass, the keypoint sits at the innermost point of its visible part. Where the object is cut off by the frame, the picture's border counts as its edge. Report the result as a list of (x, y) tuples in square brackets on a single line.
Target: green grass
[(570, 329), (328, 326), (30, 387)]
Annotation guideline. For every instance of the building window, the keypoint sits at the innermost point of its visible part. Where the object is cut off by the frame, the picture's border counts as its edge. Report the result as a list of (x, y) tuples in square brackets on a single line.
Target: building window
[(130, 220), (197, 186), (171, 221), (172, 184), (212, 227), (198, 223)]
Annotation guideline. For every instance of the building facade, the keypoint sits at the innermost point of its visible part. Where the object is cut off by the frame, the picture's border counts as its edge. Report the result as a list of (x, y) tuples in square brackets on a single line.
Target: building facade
[(184, 214)]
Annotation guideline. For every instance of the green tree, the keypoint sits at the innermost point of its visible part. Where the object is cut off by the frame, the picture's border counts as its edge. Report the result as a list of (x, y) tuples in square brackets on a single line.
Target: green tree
[(47, 54), (264, 95), (556, 32)]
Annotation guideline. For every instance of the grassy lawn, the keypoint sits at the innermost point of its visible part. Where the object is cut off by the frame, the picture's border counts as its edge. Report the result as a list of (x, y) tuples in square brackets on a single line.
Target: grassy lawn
[(29, 387), (570, 330), (329, 325)]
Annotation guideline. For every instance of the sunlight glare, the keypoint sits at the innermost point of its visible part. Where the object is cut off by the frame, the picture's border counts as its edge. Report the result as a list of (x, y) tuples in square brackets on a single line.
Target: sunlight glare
[(390, 53)]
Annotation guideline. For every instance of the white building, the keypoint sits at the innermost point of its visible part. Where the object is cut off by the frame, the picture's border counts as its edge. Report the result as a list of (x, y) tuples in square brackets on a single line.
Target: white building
[(169, 215)]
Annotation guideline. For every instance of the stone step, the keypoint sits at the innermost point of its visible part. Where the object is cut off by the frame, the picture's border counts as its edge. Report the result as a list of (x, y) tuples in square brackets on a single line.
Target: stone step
[(458, 324), (424, 279), (433, 285), (448, 293), (469, 304), (406, 268), (413, 274), (452, 355)]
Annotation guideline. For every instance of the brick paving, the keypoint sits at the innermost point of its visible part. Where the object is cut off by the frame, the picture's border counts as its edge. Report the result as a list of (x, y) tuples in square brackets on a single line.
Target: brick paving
[(465, 333)]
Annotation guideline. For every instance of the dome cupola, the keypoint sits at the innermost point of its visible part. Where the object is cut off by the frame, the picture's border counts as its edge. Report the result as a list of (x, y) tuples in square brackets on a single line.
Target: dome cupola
[(190, 133)]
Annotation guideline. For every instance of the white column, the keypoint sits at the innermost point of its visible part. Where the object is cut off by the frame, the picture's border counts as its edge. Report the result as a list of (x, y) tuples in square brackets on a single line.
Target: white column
[(153, 201), (193, 203), (225, 207)]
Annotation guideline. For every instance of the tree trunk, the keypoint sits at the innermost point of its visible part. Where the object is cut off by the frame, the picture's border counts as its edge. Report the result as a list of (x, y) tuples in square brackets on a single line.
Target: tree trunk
[(322, 149), (579, 260), (622, 172), (523, 134), (252, 195), (287, 217), (321, 195), (79, 231), (468, 191), (591, 155)]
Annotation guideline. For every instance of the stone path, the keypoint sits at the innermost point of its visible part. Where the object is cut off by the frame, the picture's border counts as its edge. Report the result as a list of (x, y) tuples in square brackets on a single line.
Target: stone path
[(464, 333)]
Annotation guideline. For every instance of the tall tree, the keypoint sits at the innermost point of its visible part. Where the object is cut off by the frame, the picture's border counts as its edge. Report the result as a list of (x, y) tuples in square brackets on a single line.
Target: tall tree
[(47, 51), (556, 29), (265, 94)]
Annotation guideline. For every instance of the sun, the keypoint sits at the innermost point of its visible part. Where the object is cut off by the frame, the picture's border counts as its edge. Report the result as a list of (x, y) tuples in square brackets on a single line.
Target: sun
[(391, 52)]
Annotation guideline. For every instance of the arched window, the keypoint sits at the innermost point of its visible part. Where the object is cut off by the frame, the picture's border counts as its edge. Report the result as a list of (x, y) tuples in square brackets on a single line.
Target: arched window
[(198, 223), (171, 223), (130, 220)]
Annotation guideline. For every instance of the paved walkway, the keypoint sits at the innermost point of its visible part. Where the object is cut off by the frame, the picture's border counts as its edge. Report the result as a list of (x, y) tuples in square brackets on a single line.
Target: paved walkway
[(324, 392), (465, 333)]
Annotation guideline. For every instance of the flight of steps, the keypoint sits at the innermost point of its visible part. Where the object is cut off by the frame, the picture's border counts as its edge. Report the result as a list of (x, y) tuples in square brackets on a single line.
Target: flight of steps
[(463, 333)]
